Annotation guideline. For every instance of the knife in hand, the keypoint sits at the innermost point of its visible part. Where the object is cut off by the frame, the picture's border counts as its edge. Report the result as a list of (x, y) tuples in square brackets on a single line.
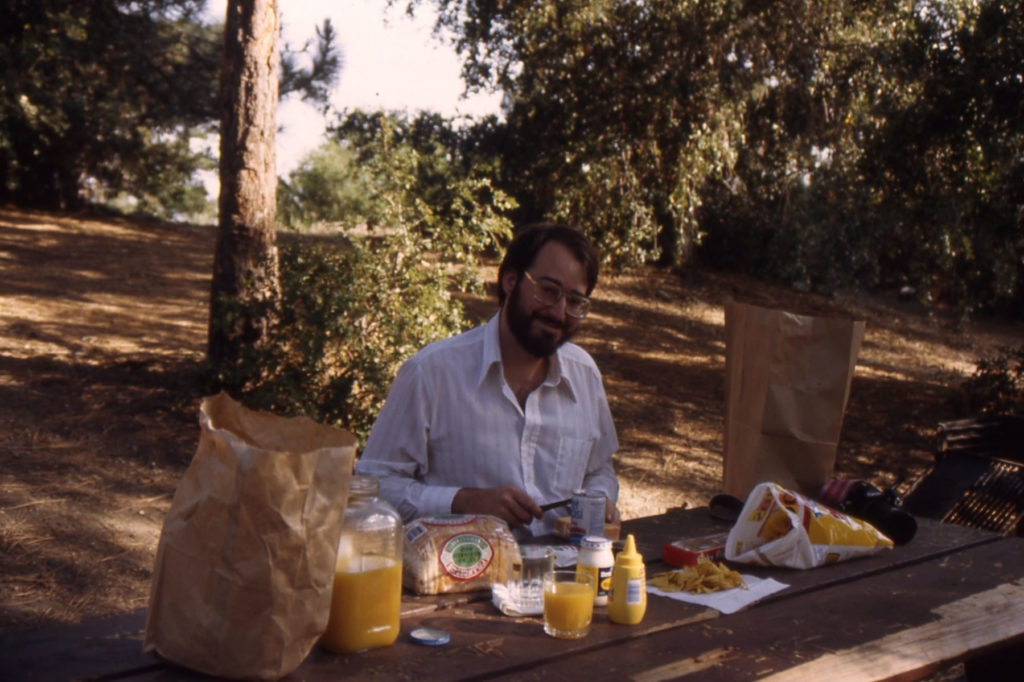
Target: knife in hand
[(555, 505)]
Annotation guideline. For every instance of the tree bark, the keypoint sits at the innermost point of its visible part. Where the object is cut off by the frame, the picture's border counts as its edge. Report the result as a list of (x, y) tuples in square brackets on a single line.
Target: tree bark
[(245, 269), (675, 244)]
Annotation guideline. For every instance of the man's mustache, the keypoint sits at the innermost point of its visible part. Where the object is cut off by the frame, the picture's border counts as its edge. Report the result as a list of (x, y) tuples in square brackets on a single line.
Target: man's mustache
[(553, 321)]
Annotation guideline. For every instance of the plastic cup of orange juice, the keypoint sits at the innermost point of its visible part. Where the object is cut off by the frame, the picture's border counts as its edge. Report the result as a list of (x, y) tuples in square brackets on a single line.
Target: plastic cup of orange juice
[(568, 604)]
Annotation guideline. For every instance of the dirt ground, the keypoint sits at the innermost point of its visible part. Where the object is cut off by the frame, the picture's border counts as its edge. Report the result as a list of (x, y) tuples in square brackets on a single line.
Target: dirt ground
[(102, 322)]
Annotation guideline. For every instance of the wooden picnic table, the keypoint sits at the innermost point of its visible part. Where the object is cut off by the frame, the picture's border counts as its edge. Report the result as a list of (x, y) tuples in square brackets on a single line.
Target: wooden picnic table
[(951, 594)]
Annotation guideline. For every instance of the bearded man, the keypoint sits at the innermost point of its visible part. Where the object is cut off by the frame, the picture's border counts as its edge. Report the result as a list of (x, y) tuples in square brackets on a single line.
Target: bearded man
[(509, 416)]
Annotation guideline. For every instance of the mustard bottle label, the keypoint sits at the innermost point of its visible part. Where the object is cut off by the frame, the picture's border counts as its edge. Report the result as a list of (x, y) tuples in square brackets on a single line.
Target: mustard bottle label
[(635, 591)]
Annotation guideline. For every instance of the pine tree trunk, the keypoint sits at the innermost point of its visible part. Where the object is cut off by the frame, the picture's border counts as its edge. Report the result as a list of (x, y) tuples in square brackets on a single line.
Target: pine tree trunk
[(245, 269), (675, 243)]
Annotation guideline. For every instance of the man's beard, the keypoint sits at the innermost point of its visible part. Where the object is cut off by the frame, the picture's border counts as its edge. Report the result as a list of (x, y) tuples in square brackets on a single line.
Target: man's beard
[(538, 342)]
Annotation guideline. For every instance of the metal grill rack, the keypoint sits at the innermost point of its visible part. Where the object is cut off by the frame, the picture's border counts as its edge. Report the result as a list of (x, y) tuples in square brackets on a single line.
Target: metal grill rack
[(978, 477)]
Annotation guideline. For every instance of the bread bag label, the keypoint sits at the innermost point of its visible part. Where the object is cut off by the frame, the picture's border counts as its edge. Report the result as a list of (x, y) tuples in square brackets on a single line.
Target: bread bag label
[(457, 553)]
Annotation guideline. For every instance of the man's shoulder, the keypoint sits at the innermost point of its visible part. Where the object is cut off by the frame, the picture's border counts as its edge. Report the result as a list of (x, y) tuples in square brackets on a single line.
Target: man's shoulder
[(443, 350), (574, 357)]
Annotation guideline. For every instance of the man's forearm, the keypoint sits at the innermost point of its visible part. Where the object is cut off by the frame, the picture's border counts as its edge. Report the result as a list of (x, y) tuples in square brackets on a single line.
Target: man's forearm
[(414, 499)]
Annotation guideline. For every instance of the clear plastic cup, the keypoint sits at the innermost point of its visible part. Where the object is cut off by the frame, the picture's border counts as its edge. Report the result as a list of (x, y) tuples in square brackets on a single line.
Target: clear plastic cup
[(568, 604), (526, 577)]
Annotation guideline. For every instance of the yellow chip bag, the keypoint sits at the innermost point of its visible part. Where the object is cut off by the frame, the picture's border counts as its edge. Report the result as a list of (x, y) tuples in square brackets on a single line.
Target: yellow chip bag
[(779, 527)]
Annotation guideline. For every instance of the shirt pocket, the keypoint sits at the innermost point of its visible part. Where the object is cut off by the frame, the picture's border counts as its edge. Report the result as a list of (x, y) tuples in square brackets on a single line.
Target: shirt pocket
[(573, 456)]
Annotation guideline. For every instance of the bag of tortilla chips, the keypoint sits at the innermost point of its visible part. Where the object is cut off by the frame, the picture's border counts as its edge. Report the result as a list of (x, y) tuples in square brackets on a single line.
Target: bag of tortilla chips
[(779, 527)]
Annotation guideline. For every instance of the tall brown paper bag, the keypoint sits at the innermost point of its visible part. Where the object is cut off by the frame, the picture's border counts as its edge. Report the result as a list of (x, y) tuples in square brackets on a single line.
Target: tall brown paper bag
[(788, 380), (245, 564)]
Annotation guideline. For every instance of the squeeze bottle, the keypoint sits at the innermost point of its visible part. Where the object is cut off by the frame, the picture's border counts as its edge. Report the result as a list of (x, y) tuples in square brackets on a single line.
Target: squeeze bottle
[(627, 600)]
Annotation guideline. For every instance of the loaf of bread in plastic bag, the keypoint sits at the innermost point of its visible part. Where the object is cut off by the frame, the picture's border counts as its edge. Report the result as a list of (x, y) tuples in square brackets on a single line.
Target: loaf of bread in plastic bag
[(456, 553)]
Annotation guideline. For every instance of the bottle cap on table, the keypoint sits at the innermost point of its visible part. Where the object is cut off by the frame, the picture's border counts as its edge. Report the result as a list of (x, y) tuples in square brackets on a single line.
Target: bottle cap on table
[(430, 636)]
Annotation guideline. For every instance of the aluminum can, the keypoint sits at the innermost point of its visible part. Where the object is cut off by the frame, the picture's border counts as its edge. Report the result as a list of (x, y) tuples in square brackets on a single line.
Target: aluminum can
[(586, 515)]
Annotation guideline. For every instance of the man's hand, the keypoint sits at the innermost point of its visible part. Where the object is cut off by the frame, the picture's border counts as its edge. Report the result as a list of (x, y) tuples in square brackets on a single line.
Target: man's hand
[(611, 512), (508, 503)]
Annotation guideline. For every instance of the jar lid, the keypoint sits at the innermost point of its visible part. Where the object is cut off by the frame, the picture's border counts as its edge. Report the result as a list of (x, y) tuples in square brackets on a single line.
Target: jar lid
[(364, 486), (430, 636), (595, 542)]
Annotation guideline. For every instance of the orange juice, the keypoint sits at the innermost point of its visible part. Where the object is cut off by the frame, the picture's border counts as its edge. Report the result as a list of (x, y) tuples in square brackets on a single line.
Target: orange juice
[(568, 607), (365, 605)]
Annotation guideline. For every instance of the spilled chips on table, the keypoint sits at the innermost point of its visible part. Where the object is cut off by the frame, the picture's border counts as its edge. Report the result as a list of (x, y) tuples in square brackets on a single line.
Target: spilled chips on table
[(704, 578)]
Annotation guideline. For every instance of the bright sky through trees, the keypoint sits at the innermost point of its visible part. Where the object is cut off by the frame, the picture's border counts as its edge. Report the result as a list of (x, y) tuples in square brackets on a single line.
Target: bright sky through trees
[(391, 61)]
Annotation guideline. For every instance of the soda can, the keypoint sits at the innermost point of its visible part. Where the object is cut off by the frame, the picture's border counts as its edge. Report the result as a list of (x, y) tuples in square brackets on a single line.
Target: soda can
[(586, 515)]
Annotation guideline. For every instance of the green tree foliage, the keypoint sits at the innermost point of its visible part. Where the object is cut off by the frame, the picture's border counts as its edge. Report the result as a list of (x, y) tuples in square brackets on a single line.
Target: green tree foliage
[(102, 94), (897, 165), (614, 120), (348, 314), (403, 210), (423, 175), (808, 80), (629, 117), (945, 160), (313, 81), (329, 186), (827, 145), (106, 97)]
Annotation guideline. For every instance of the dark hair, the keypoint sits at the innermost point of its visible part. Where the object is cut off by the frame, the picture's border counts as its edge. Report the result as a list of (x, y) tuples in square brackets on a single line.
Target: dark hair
[(529, 240)]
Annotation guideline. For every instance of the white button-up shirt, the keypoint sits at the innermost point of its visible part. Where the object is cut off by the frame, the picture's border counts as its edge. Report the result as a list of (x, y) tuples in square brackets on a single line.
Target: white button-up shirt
[(451, 421)]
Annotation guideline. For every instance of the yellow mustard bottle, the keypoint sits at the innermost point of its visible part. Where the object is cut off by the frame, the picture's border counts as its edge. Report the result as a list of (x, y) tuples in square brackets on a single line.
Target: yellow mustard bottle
[(627, 600)]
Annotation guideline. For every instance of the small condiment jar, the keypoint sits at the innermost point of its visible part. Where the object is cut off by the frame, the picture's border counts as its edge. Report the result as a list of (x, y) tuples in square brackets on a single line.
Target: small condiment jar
[(595, 557), (627, 601)]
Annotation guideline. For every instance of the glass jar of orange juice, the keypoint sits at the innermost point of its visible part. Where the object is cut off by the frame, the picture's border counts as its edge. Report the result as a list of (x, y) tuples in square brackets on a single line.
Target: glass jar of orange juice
[(367, 597)]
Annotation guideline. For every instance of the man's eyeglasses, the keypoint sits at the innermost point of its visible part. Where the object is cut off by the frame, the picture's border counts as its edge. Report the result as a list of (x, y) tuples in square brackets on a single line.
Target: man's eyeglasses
[(547, 292)]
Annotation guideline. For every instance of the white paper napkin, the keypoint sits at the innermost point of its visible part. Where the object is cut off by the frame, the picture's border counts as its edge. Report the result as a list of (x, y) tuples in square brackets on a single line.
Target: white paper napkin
[(502, 600), (565, 555), (728, 601)]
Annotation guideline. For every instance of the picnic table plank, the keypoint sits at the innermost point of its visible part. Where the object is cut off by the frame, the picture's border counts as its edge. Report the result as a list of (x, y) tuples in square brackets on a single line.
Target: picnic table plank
[(965, 625), (87, 650), (483, 643), (904, 624)]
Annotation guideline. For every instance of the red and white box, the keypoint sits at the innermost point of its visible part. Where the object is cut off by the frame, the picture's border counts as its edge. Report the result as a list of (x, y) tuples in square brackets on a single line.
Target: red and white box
[(688, 551)]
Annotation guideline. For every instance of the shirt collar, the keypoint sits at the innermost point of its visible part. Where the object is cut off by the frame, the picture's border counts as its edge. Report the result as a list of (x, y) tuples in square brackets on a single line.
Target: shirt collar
[(492, 349), (492, 357)]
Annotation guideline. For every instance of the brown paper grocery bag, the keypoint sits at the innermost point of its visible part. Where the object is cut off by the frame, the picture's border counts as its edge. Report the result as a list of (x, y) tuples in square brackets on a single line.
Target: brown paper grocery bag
[(245, 564), (788, 379)]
